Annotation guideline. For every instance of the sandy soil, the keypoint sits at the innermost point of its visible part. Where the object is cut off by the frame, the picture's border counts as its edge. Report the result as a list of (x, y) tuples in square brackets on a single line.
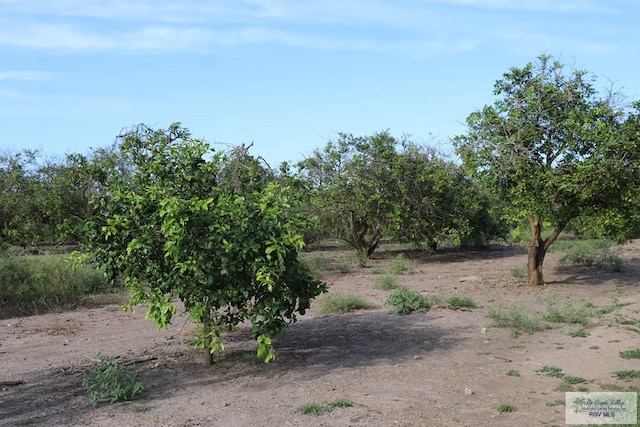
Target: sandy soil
[(440, 368)]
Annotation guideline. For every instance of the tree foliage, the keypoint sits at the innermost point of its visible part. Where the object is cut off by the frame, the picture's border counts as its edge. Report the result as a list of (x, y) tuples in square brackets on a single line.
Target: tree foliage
[(556, 150), (210, 228), (369, 187), (42, 200)]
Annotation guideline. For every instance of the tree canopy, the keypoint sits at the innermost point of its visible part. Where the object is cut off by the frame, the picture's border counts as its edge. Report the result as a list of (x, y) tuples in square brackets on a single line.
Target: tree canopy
[(558, 151), (370, 187), (210, 228)]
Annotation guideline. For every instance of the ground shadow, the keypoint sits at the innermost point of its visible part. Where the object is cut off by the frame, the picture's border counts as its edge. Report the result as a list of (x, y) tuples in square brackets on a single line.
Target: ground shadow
[(315, 347)]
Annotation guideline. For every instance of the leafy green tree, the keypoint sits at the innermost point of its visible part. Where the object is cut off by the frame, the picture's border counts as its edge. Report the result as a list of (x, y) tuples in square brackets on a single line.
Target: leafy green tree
[(209, 228), (369, 187), (555, 150), (42, 200)]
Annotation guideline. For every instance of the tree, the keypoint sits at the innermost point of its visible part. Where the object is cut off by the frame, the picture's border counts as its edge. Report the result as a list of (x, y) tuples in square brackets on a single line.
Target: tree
[(207, 227), (555, 149), (375, 186), (42, 200)]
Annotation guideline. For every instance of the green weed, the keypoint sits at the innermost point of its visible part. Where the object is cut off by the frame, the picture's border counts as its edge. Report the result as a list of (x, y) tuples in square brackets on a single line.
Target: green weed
[(506, 408), (109, 381), (516, 318), (551, 371), (579, 334), (342, 303), (386, 282), (630, 354), (627, 375), (404, 301), (461, 302)]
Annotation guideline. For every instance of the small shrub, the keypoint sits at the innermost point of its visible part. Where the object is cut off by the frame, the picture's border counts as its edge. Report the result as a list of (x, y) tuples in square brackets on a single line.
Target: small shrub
[(630, 354), (513, 373), (404, 301), (597, 253), (316, 263), (506, 407), (461, 302), (386, 282), (342, 303), (343, 266), (109, 381)]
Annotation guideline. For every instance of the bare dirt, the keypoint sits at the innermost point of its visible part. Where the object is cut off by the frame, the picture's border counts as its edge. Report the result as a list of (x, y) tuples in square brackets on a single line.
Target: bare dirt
[(445, 367)]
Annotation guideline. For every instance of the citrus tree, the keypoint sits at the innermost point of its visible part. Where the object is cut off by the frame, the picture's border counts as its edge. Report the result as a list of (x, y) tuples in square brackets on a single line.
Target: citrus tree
[(556, 152), (209, 228), (369, 187)]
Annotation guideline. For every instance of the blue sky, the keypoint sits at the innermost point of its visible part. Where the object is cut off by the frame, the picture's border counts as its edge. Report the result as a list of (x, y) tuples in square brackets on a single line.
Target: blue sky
[(286, 75)]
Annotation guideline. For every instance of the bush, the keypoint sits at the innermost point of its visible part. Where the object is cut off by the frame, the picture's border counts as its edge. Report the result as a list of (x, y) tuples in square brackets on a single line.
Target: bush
[(108, 381), (34, 284), (597, 253), (404, 301), (342, 303)]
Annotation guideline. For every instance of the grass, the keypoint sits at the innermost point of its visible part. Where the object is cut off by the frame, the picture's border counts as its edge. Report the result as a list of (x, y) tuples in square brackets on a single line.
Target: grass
[(403, 301), (461, 302), (506, 408), (386, 282), (517, 272), (579, 334), (627, 375), (513, 373), (317, 409), (516, 318), (630, 354), (398, 265), (342, 303), (551, 371), (590, 252), (33, 284), (570, 379), (570, 312)]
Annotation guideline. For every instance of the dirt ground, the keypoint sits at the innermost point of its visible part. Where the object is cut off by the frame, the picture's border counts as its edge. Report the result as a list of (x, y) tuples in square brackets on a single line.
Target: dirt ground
[(445, 367)]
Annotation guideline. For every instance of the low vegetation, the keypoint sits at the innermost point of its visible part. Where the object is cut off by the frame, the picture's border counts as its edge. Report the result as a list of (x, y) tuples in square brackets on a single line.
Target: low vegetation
[(404, 301), (110, 382), (590, 252), (34, 284), (339, 302), (316, 409)]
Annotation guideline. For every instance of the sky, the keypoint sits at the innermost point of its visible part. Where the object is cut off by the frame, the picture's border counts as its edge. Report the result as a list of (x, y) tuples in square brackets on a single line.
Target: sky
[(286, 75)]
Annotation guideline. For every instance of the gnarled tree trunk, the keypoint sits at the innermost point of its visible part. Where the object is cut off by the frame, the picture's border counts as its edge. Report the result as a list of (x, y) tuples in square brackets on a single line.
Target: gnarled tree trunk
[(358, 230), (537, 250)]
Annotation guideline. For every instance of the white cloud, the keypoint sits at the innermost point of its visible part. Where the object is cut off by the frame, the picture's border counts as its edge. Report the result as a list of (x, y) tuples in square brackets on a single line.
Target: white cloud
[(24, 75), (552, 6)]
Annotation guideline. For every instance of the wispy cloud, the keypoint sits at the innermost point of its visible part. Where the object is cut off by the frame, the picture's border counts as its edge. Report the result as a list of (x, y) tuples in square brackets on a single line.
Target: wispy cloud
[(24, 75), (551, 6)]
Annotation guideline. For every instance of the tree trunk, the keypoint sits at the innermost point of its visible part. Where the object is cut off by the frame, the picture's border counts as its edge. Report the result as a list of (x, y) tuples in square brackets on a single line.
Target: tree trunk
[(538, 249), (358, 230), (536, 254), (207, 341)]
